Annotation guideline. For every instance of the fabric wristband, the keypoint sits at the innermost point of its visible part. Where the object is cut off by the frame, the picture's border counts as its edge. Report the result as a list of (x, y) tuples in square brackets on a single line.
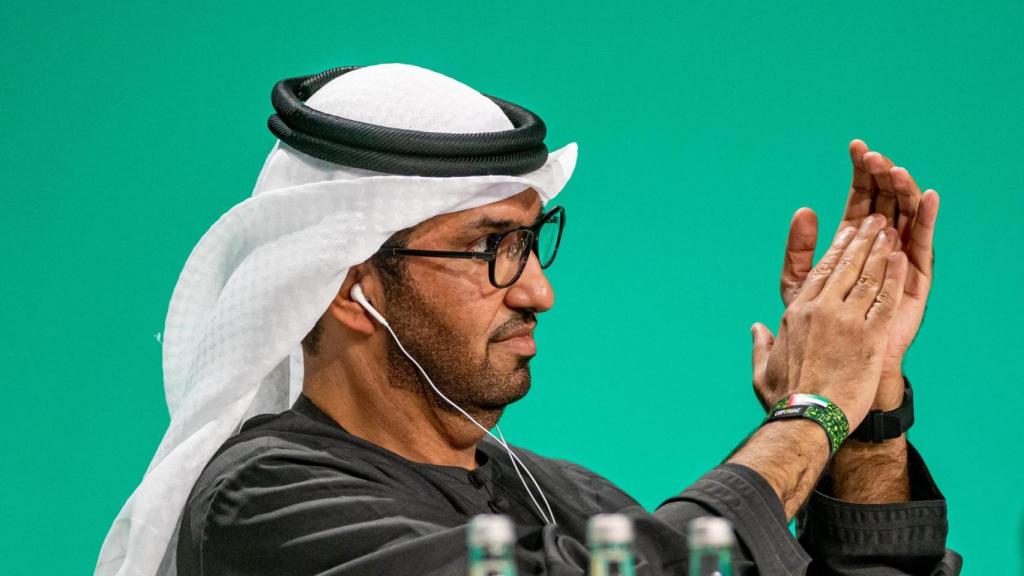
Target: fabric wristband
[(816, 408)]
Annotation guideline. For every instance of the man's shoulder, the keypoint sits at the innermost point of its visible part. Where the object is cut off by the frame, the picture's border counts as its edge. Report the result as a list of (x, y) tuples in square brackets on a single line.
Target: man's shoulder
[(279, 476), (261, 437), (269, 448)]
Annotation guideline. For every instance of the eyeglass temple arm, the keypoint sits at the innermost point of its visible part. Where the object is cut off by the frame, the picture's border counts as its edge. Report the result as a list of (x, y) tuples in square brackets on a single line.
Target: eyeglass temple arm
[(486, 256)]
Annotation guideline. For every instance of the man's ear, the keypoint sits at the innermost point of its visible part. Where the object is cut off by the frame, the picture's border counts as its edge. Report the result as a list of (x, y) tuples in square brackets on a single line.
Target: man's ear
[(350, 313)]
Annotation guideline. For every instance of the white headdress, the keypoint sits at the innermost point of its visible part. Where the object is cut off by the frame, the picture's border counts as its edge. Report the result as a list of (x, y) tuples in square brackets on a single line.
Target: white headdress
[(262, 275)]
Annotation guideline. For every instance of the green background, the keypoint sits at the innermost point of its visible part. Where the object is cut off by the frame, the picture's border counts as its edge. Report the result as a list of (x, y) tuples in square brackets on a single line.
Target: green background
[(128, 128)]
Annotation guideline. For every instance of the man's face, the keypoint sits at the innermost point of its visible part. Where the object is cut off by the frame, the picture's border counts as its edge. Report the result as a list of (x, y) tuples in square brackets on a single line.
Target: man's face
[(475, 341)]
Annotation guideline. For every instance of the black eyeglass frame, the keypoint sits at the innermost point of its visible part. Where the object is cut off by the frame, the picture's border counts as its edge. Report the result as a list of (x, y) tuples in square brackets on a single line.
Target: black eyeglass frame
[(491, 254)]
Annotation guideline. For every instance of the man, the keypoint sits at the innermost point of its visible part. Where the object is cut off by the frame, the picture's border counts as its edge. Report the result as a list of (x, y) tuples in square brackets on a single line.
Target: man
[(385, 455)]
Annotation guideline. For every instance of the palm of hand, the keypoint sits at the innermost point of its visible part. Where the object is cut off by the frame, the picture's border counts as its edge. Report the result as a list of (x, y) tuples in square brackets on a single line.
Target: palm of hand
[(907, 321)]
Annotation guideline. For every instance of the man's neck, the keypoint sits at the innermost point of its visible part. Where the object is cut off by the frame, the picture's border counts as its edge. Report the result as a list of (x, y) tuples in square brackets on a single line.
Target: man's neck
[(398, 419)]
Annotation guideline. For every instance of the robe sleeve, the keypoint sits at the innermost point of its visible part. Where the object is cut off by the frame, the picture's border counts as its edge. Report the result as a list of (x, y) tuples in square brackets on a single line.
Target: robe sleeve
[(902, 538), (837, 538), (287, 513), (297, 513)]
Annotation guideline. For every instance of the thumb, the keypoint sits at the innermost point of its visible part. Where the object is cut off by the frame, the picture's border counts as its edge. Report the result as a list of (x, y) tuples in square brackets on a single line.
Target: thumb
[(799, 258), (763, 342)]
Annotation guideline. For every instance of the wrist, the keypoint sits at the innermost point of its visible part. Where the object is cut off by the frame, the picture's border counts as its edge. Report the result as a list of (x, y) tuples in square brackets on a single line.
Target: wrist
[(885, 423), (892, 366), (819, 409), (790, 455), (853, 447), (890, 391)]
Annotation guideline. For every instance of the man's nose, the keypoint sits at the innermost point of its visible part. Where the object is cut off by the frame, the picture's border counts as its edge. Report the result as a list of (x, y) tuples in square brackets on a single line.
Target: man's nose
[(532, 290)]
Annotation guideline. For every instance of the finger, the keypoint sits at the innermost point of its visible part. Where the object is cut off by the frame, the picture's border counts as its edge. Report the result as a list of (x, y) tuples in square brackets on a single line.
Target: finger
[(885, 201), (817, 277), (908, 196), (862, 295), (849, 266), (859, 200), (920, 249), (763, 341), (803, 237), (888, 298)]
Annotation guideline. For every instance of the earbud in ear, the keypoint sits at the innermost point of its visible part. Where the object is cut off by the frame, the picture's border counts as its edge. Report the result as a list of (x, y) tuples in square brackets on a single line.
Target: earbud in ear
[(357, 294)]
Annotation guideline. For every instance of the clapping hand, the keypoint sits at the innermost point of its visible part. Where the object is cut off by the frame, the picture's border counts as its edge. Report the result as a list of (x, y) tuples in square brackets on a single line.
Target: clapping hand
[(877, 186)]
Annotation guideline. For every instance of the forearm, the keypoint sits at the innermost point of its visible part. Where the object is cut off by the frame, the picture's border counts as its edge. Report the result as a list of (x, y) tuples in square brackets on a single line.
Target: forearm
[(790, 455), (870, 473)]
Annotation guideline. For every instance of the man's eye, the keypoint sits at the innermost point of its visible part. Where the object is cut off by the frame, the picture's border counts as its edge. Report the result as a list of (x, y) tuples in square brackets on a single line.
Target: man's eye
[(485, 244)]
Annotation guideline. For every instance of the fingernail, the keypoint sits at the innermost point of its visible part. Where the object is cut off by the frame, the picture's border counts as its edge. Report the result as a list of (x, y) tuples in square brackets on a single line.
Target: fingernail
[(846, 233)]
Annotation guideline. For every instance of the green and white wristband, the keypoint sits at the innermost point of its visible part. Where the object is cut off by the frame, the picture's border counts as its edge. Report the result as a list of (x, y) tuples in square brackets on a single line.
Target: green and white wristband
[(816, 408)]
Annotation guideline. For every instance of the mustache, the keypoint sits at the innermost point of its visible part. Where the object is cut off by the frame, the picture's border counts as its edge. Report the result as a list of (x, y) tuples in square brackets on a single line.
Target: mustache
[(522, 318)]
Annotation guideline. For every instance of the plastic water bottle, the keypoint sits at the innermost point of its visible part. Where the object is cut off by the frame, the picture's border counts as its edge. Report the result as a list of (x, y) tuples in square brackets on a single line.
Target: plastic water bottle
[(610, 539), (711, 542), (491, 541)]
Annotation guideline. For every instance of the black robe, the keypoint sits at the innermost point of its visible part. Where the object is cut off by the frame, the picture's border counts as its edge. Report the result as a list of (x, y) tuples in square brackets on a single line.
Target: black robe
[(295, 494)]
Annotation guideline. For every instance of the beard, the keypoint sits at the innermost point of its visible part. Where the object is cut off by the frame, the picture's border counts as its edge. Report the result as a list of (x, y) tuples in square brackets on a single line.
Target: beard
[(448, 356)]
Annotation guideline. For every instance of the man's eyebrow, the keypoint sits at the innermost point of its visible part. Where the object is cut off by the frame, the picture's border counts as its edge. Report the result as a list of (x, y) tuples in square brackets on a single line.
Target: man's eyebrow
[(488, 223)]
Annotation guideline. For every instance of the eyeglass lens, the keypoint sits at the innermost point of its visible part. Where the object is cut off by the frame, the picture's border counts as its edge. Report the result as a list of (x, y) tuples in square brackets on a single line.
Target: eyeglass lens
[(514, 249), (547, 241)]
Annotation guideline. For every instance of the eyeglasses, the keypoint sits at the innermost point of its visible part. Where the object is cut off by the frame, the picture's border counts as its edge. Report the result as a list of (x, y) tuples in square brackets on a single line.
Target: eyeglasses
[(508, 252)]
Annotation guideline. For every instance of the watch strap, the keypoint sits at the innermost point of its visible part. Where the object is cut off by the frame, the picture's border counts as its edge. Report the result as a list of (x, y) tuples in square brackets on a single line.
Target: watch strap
[(879, 426)]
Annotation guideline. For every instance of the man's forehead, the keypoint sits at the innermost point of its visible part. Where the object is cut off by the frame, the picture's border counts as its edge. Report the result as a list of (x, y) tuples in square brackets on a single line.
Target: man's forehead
[(523, 209)]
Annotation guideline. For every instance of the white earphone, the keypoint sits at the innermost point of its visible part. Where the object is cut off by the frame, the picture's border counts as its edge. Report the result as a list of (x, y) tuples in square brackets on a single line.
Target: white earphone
[(357, 294)]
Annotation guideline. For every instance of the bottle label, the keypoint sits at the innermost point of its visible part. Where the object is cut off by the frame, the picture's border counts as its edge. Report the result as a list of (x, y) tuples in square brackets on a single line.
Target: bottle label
[(612, 562), (492, 568)]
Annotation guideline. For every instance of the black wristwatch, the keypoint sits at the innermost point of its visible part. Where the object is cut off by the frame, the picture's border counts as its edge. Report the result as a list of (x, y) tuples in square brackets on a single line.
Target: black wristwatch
[(880, 426)]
